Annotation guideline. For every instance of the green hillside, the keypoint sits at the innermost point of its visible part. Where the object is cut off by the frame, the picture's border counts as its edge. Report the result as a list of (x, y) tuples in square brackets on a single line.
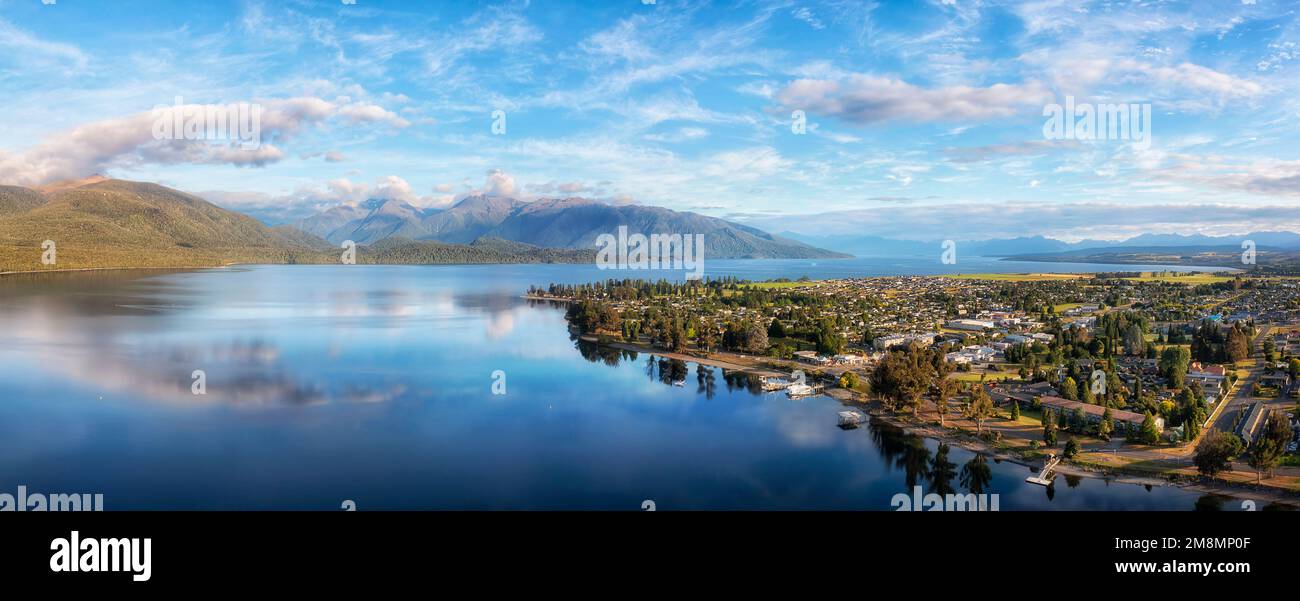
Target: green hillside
[(18, 200), (115, 223)]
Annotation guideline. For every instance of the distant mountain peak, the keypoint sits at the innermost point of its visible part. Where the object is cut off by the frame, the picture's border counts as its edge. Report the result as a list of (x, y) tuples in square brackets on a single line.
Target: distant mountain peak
[(554, 223)]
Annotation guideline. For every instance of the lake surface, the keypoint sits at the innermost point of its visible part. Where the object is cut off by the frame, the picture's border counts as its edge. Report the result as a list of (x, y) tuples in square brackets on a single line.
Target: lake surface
[(375, 384)]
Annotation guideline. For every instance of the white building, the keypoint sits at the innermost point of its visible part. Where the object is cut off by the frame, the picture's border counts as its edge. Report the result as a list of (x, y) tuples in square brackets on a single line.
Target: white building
[(973, 325)]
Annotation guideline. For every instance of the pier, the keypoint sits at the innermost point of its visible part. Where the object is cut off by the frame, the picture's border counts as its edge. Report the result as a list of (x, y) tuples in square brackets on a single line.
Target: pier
[(1044, 477)]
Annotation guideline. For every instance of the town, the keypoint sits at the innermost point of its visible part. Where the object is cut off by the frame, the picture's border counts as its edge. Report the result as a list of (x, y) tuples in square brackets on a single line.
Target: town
[(1185, 376)]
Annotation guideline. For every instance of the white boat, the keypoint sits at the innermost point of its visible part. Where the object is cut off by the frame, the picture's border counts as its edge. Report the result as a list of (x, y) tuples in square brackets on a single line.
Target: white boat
[(796, 391), (850, 419), (771, 384)]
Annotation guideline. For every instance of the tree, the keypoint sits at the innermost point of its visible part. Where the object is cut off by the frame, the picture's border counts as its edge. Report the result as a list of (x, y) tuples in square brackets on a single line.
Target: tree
[(829, 341), (903, 378), (947, 388), (1085, 394), (776, 330), (1134, 341), (1150, 434), (849, 380), (1215, 452), (1267, 450), (1049, 427), (1107, 425), (756, 339), (1238, 345), (1069, 389), (1173, 365), (980, 408), (1071, 448), (708, 337), (677, 336), (1015, 410), (1078, 423)]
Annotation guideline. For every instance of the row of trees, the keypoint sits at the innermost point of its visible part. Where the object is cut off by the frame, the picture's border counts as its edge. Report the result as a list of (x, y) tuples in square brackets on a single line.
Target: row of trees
[(1214, 343)]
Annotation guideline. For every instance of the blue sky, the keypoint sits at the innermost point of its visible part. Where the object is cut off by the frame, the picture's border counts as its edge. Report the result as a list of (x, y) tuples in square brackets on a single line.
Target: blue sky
[(924, 119)]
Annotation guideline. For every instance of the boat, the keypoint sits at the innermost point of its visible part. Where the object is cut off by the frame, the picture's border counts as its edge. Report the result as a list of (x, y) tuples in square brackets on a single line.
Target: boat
[(850, 419), (798, 391), (772, 384)]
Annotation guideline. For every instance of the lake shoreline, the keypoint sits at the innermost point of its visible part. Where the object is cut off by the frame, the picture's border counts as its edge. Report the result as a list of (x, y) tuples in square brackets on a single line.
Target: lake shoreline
[(967, 440)]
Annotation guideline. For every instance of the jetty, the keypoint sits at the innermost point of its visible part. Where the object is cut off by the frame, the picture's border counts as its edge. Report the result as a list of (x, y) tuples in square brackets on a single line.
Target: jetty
[(1045, 477)]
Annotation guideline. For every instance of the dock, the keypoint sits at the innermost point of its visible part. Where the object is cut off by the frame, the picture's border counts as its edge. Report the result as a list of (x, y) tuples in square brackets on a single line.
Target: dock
[(1044, 477)]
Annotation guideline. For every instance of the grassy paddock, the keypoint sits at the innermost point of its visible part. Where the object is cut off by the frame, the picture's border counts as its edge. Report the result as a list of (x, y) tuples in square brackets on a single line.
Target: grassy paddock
[(1191, 279), (780, 285)]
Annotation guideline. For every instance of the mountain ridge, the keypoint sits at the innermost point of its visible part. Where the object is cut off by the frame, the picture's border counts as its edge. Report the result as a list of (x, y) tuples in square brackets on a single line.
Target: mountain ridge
[(562, 223), (106, 223), (868, 245)]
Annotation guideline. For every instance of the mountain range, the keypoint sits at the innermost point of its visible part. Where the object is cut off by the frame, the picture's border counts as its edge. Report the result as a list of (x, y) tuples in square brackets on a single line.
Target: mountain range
[(102, 222), (99, 222), (571, 223), (1038, 245)]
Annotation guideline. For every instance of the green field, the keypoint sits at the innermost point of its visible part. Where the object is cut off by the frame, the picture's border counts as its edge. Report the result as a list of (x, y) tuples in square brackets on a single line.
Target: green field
[(1192, 279), (779, 285)]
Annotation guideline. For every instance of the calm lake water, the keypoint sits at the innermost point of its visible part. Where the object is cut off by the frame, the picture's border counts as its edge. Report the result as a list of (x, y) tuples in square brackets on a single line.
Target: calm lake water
[(374, 384)]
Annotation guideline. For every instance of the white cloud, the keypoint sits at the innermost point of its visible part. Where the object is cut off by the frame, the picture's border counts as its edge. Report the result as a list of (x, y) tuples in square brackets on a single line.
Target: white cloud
[(499, 183), (682, 134), (1202, 79), (1069, 222), (128, 142), (870, 99), (806, 15), (31, 52)]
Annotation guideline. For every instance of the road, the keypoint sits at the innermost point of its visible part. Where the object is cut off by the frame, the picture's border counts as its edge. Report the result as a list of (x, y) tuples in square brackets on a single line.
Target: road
[(1241, 398)]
